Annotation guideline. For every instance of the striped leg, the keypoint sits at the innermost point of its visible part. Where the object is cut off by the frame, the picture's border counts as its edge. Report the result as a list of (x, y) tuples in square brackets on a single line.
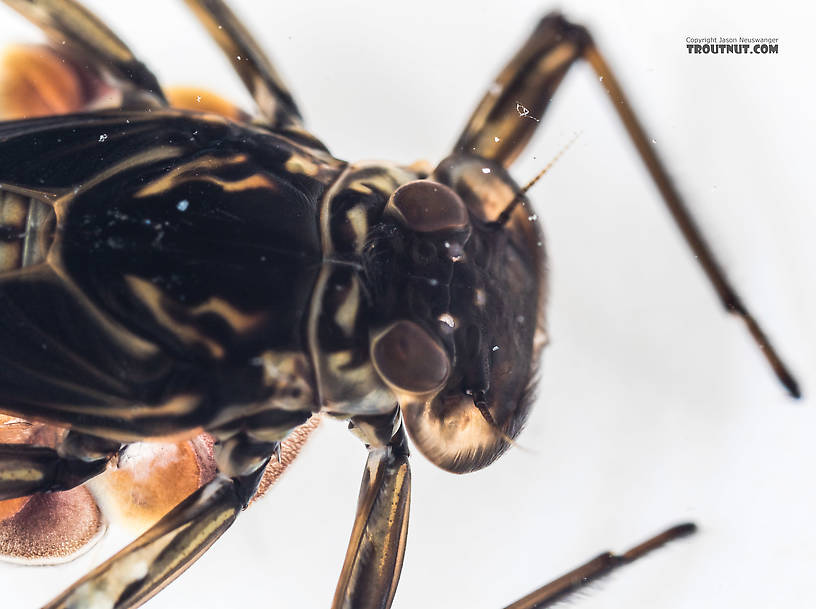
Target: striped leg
[(255, 69), (51, 527), (27, 469), (164, 551), (374, 558), (509, 113)]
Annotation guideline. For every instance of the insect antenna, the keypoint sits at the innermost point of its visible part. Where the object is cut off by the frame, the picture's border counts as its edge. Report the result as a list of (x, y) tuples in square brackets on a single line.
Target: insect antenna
[(504, 216)]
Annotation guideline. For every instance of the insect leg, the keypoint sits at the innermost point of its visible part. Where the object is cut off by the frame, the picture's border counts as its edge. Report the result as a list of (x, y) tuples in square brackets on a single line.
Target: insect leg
[(506, 118), (509, 113), (374, 557), (26, 469), (163, 552), (600, 566), (252, 65), (94, 43)]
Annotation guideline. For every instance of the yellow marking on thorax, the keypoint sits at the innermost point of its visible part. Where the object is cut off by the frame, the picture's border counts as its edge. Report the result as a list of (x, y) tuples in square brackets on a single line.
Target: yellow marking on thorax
[(359, 224), (240, 322), (301, 164), (152, 155), (347, 312), (151, 296), (200, 169), (179, 405), (338, 359)]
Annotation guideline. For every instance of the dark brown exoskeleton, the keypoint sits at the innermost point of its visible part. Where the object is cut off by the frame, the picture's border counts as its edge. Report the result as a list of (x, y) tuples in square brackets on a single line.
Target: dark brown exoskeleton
[(166, 272)]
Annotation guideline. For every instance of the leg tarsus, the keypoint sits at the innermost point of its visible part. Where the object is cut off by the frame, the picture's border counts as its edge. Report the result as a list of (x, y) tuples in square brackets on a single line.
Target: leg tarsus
[(683, 218), (598, 567)]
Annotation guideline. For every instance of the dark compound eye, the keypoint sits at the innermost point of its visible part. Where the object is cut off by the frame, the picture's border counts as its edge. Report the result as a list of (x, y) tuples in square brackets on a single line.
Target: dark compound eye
[(426, 206), (409, 359)]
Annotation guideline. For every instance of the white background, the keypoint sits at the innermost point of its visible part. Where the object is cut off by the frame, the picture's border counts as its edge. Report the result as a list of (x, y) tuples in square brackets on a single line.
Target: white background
[(655, 407)]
